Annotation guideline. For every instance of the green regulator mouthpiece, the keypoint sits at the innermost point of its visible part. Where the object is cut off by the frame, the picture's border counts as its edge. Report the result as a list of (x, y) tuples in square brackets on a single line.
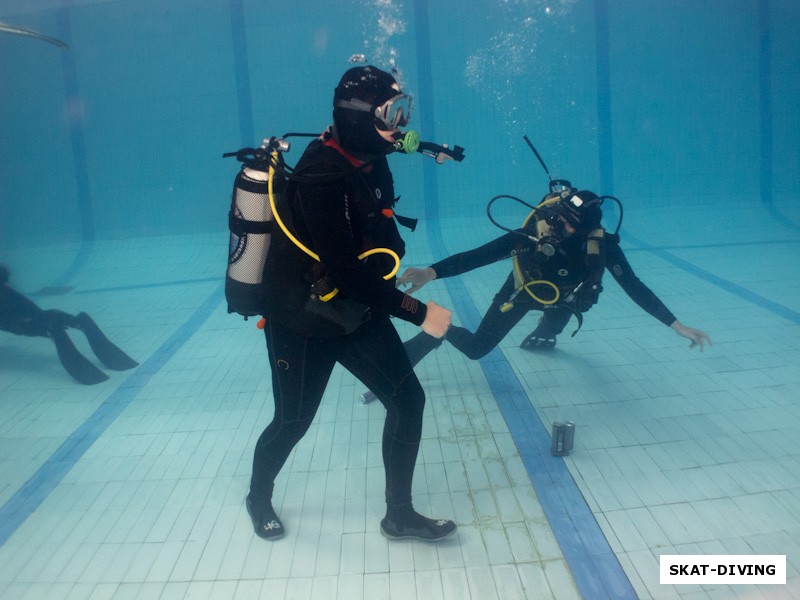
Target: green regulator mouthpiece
[(408, 143)]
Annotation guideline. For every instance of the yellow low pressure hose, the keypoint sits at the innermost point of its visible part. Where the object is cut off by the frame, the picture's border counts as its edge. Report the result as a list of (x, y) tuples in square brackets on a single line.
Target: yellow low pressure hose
[(520, 277), (307, 250)]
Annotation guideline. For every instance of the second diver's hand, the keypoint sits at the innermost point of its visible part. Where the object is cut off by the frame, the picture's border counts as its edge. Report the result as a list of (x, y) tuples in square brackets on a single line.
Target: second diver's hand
[(416, 278)]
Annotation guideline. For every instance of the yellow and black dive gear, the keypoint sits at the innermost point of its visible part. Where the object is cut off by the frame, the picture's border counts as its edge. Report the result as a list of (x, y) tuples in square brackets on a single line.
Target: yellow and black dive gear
[(255, 210), (544, 227), (327, 294)]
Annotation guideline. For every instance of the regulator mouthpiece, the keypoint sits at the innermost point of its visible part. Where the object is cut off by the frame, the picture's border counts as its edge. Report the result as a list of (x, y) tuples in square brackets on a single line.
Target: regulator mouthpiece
[(408, 142)]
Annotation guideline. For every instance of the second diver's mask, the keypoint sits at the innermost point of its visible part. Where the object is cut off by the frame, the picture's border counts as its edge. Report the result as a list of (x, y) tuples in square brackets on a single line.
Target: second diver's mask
[(580, 209)]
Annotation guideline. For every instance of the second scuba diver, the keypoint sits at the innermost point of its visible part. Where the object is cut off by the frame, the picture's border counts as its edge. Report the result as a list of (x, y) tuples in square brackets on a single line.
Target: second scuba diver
[(560, 273), (339, 202)]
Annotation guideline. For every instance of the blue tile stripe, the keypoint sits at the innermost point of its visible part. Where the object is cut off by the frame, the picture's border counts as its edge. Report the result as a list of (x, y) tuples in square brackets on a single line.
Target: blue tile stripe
[(595, 568), (766, 118), (35, 491)]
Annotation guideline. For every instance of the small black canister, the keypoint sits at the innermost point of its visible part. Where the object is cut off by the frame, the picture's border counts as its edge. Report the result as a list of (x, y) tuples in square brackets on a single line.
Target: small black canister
[(563, 437)]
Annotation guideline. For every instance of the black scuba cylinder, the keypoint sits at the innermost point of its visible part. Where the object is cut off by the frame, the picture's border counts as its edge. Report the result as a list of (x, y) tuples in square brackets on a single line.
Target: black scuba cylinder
[(251, 225)]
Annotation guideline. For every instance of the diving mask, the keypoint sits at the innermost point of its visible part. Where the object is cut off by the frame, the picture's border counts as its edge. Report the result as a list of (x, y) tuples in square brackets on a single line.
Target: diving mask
[(394, 113), (391, 115), (580, 209)]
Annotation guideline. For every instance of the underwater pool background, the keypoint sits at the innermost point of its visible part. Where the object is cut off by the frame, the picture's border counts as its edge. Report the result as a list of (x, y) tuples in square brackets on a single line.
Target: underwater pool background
[(113, 189)]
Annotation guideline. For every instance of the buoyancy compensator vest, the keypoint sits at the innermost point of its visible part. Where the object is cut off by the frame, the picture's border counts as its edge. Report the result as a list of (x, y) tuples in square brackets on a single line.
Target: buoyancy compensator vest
[(311, 303)]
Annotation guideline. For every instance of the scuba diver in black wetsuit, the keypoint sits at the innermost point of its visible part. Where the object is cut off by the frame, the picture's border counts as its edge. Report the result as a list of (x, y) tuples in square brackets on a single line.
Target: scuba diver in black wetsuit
[(22, 316), (339, 202), (559, 255), (553, 320), (564, 268)]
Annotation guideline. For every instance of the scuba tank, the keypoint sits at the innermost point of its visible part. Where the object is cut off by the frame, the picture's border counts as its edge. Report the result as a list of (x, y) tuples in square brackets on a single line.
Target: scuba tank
[(251, 223)]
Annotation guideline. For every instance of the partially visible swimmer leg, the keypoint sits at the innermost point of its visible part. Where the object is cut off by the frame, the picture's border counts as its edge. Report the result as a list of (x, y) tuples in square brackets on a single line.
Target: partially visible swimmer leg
[(108, 353), (75, 363)]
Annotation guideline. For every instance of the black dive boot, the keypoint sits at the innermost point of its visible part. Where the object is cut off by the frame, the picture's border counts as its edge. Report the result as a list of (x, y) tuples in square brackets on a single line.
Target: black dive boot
[(542, 338), (551, 323), (534, 343), (403, 522), (266, 523)]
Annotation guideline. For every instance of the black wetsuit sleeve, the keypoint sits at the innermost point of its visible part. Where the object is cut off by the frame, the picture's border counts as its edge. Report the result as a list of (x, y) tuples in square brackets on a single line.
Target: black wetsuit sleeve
[(499, 249), (327, 217), (621, 270)]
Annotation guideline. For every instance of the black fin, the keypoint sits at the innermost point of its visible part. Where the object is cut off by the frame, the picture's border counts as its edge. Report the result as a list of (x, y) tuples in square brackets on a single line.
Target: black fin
[(75, 363), (109, 354), (534, 342)]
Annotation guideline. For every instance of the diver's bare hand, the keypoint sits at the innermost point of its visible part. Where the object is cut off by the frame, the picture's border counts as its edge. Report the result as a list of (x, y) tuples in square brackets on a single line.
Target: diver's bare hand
[(416, 278), (698, 337), (437, 320)]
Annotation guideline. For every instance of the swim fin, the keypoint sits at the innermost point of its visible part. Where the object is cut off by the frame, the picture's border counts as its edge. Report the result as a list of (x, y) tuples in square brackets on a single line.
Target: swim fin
[(534, 343), (75, 363), (109, 354)]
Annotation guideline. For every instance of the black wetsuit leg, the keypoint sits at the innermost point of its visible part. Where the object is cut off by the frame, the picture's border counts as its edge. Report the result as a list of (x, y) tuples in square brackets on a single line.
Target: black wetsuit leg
[(378, 359), (301, 368), (494, 326), (420, 346), (552, 322)]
